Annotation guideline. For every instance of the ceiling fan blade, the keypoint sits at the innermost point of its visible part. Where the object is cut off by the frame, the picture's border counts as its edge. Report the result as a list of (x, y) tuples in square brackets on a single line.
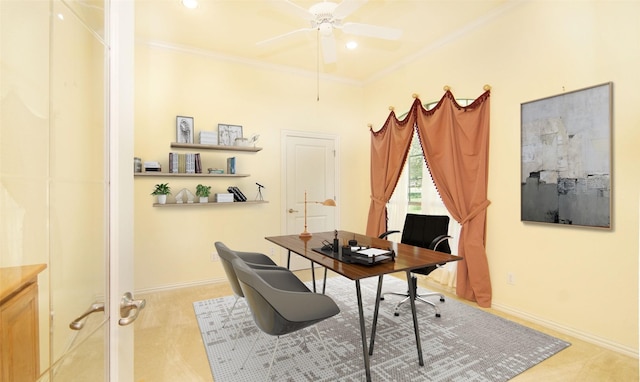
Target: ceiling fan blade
[(372, 31), (284, 36), (329, 54), (295, 9), (347, 7)]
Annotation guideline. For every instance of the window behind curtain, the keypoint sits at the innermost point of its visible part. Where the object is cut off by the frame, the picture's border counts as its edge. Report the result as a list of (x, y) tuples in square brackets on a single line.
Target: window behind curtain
[(416, 193)]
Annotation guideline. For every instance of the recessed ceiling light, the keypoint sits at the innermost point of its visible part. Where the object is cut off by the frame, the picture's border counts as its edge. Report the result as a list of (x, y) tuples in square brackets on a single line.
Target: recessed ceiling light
[(191, 4), (351, 45)]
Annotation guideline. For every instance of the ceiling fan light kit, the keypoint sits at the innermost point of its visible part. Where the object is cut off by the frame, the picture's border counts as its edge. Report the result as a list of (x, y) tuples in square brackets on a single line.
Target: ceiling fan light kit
[(190, 4)]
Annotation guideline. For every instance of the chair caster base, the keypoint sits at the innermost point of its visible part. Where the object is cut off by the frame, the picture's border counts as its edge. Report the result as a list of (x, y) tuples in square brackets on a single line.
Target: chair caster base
[(381, 298), (442, 299), (437, 314), (396, 314)]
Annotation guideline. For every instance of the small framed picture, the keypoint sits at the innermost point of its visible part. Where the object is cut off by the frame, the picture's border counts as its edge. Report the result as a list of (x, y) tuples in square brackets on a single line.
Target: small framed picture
[(227, 134), (184, 129)]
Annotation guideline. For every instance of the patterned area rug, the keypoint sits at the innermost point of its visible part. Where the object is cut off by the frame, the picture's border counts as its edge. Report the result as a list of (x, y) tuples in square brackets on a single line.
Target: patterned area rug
[(465, 344)]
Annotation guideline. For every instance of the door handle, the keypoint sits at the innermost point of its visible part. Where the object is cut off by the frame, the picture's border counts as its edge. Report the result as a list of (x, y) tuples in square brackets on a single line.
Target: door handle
[(78, 323), (291, 210), (130, 308)]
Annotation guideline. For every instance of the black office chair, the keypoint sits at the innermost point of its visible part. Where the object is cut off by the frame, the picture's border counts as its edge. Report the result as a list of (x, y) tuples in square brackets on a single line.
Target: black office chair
[(280, 303), (426, 231)]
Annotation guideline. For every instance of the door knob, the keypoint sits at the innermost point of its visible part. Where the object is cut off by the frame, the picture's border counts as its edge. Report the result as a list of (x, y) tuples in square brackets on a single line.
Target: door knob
[(129, 305), (291, 210), (78, 323)]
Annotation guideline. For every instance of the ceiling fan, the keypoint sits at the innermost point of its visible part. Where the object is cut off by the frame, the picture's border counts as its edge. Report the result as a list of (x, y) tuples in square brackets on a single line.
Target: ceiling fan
[(326, 16)]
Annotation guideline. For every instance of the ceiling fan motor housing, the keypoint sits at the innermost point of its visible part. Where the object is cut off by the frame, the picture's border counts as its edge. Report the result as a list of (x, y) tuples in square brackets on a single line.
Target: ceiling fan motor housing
[(323, 18)]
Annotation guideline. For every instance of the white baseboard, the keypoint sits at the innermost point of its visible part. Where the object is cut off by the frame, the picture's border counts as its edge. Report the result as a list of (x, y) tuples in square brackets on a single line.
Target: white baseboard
[(167, 287), (602, 342)]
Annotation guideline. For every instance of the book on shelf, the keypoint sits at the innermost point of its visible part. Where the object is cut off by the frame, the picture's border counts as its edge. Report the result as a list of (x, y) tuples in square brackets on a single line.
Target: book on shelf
[(190, 167), (224, 198), (237, 194), (182, 163), (189, 163), (198, 164), (173, 162), (152, 166), (231, 165), (208, 137)]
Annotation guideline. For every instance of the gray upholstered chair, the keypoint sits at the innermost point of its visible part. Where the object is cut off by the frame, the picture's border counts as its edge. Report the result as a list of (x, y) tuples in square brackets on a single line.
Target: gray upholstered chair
[(426, 231), (280, 303), (227, 255)]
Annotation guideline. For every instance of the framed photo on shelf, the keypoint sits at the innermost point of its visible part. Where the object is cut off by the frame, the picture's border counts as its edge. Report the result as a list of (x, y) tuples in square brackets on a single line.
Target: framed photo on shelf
[(227, 134), (184, 129)]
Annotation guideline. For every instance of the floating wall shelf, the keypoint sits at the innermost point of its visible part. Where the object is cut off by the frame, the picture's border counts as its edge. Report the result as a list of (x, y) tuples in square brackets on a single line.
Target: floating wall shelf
[(196, 146), (208, 204), (182, 174)]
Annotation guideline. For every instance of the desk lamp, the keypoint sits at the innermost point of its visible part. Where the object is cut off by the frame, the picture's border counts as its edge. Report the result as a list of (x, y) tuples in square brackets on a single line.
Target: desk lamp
[(328, 202)]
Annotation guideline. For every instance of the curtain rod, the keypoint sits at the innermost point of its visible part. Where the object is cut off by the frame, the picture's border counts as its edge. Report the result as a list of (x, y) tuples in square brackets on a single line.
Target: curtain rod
[(446, 88)]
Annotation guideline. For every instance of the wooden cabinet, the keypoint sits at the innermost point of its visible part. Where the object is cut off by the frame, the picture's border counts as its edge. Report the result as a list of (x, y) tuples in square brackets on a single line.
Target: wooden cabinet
[(19, 340)]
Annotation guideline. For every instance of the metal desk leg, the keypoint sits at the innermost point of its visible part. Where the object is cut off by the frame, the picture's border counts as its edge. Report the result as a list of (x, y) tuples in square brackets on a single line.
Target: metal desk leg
[(375, 316), (412, 298), (324, 283), (313, 273), (363, 333)]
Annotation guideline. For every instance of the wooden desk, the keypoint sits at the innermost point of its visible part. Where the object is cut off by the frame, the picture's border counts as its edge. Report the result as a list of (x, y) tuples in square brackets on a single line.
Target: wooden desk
[(407, 259)]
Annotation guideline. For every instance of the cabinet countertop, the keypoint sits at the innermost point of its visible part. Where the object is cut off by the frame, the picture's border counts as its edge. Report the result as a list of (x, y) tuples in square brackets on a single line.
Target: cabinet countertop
[(12, 279)]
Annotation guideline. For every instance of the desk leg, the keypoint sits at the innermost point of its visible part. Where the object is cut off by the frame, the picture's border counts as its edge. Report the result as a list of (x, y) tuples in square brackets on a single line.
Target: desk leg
[(324, 283), (412, 298), (313, 277), (363, 333), (288, 259), (375, 316)]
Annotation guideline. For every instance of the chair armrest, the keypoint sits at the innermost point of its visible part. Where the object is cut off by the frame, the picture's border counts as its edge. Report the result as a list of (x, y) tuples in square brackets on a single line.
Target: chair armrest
[(434, 244), (294, 306), (385, 234), (255, 258), (280, 278), (302, 306), (264, 266), (292, 299)]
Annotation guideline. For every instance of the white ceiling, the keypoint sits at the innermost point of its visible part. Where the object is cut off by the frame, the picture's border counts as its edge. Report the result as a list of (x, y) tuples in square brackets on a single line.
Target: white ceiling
[(231, 28)]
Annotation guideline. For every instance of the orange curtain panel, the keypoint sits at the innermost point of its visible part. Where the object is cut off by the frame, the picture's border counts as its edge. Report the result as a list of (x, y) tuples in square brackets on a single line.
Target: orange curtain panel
[(455, 144)]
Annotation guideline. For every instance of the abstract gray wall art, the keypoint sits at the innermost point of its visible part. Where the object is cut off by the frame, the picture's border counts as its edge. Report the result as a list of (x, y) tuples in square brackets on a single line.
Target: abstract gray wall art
[(566, 158)]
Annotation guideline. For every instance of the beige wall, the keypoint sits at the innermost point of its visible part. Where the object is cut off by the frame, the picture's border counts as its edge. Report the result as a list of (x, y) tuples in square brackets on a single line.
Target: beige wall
[(173, 245), (580, 280)]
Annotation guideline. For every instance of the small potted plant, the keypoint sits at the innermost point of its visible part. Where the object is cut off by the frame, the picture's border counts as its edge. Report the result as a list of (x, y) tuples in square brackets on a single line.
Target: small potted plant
[(203, 192), (162, 190)]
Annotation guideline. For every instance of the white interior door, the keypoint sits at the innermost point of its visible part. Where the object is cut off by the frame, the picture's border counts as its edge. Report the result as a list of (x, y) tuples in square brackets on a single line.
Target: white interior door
[(309, 166)]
